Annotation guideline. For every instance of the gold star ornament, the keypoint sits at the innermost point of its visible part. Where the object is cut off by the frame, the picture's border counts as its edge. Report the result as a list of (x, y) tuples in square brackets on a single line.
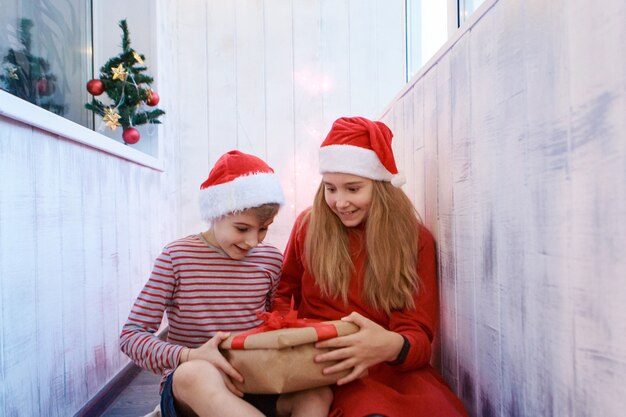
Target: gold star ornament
[(111, 118), (119, 73), (12, 72), (137, 58)]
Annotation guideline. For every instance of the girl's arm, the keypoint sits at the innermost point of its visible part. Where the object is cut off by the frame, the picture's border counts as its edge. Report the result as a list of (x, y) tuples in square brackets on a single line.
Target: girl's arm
[(418, 325), (138, 339), (275, 280), (291, 276)]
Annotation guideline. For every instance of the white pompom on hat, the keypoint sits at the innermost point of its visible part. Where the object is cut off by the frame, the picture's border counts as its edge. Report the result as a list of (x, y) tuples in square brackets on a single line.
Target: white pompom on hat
[(237, 182), (359, 146)]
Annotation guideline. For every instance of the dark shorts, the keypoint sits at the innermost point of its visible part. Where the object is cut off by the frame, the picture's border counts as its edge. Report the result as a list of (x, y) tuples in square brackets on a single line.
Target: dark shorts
[(264, 403)]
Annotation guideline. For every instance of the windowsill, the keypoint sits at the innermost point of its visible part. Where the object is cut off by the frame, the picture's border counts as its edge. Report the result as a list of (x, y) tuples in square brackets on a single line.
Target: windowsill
[(25, 112)]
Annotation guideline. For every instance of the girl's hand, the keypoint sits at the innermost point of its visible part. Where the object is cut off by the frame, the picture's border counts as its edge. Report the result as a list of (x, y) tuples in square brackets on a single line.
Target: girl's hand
[(369, 346), (210, 353)]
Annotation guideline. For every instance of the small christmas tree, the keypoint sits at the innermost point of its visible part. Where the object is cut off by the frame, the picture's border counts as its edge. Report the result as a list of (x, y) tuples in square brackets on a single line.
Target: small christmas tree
[(124, 81), (27, 76)]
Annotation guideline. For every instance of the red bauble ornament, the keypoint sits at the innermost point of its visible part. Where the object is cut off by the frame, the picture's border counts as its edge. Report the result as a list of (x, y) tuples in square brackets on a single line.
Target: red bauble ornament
[(44, 87), (95, 87), (131, 135), (153, 98)]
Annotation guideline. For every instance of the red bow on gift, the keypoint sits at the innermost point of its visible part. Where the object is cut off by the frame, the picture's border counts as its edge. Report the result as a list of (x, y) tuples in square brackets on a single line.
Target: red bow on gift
[(275, 321)]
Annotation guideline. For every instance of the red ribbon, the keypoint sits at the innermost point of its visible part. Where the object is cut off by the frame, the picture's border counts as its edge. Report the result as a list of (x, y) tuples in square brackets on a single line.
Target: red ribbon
[(275, 321)]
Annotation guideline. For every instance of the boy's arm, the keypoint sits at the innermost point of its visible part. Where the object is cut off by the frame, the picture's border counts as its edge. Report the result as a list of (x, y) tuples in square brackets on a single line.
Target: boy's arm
[(137, 339)]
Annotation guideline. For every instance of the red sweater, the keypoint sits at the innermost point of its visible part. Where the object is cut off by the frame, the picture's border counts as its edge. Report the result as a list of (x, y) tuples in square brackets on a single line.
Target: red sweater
[(410, 389)]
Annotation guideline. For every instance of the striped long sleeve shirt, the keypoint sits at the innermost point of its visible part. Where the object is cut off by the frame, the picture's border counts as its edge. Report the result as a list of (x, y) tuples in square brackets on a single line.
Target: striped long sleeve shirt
[(202, 290)]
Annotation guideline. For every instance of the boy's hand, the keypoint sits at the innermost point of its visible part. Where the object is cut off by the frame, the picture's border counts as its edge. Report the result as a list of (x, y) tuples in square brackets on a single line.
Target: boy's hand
[(359, 351), (210, 353)]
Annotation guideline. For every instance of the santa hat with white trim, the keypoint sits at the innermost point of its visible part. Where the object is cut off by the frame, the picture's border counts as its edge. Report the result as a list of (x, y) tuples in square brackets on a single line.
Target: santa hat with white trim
[(237, 182), (358, 146)]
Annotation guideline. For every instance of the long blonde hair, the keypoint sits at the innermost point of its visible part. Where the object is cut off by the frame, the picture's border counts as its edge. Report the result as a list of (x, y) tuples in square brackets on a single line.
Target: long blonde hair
[(391, 229)]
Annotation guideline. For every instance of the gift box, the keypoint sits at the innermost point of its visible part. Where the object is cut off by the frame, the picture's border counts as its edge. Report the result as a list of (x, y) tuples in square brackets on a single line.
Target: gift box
[(278, 356)]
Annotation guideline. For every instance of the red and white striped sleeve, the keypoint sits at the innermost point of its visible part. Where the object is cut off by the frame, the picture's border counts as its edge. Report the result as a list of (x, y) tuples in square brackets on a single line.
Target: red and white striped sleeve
[(138, 339)]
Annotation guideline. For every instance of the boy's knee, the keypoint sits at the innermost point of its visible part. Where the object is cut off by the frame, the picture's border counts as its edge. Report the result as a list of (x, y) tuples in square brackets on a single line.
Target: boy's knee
[(321, 395), (193, 375), (325, 394)]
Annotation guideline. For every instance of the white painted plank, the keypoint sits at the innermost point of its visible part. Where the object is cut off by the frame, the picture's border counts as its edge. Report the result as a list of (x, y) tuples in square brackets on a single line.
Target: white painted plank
[(121, 176), (430, 153), (18, 277), (400, 141), (406, 152), (464, 239), (72, 278), (309, 131), (109, 189), (418, 148), (364, 77), (136, 234), (93, 230), (597, 103), (335, 57), (4, 153), (279, 110), (250, 76), (195, 70), (483, 110), (222, 83), (511, 223), (547, 169), (50, 345), (420, 195), (389, 27), (445, 213)]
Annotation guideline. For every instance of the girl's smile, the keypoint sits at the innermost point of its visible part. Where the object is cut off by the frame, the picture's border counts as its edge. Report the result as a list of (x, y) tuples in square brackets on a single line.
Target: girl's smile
[(348, 196)]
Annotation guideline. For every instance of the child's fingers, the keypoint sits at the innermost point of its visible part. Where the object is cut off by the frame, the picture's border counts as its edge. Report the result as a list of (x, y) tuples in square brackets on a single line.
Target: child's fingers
[(219, 338), (231, 387), (338, 367), (361, 321), (356, 373), (228, 369), (335, 342), (335, 355)]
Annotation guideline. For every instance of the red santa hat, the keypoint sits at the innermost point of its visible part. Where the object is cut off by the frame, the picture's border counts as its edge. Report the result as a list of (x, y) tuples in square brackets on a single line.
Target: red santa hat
[(237, 182), (358, 146)]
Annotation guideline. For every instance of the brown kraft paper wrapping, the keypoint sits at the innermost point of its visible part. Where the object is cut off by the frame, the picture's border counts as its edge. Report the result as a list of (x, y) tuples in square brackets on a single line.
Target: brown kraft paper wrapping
[(281, 361)]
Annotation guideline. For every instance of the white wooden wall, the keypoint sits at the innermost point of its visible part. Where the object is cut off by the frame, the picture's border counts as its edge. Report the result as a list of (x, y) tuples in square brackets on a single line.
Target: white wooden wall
[(79, 230), (514, 138), (270, 77)]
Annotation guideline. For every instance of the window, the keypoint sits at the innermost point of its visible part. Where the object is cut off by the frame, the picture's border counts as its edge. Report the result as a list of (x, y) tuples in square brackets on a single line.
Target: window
[(466, 8), (429, 23), (33, 67), (426, 29)]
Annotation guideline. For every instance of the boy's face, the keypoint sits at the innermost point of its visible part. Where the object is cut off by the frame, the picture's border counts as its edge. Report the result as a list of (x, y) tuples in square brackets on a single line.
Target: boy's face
[(348, 196), (236, 234)]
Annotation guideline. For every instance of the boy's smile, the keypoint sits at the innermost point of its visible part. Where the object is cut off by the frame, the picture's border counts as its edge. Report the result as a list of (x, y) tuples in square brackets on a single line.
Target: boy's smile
[(237, 233)]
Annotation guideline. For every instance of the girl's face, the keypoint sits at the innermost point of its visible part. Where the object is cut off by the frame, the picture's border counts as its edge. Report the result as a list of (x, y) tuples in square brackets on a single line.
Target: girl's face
[(348, 196), (236, 234)]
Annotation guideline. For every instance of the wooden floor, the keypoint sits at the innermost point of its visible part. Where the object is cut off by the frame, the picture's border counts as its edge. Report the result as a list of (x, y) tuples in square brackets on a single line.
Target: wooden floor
[(138, 399)]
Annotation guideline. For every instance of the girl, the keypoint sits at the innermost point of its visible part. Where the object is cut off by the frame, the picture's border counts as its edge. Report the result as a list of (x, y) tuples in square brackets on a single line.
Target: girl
[(362, 255)]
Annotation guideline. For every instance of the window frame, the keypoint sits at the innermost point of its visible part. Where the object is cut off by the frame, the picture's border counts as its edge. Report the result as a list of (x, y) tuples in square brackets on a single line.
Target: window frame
[(22, 111)]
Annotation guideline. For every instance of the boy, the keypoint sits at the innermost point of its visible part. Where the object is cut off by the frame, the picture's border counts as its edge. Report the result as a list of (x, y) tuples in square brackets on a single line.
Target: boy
[(211, 284)]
